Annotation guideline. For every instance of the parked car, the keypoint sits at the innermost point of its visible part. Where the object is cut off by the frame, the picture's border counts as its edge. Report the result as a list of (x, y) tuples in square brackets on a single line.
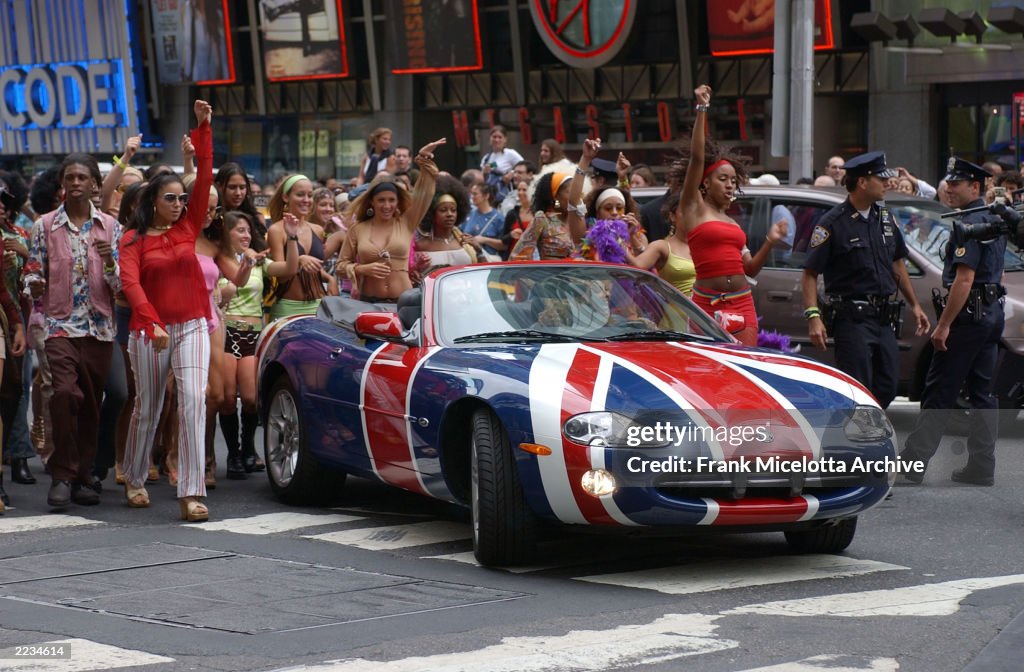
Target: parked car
[(778, 297), (528, 392)]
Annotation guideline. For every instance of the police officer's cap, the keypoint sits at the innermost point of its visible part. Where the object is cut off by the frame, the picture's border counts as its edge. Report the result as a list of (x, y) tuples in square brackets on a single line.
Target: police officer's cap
[(872, 163), (959, 169), (604, 168)]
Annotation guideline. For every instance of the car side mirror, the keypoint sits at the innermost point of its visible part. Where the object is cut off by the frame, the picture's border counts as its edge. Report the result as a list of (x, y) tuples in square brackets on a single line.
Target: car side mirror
[(381, 326)]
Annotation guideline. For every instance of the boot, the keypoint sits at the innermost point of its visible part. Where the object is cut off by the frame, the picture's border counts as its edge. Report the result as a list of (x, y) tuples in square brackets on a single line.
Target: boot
[(20, 472), (5, 501), (229, 427), (250, 421)]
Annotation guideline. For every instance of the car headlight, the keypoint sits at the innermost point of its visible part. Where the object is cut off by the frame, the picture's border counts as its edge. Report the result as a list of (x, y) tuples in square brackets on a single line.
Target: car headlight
[(868, 423), (607, 428)]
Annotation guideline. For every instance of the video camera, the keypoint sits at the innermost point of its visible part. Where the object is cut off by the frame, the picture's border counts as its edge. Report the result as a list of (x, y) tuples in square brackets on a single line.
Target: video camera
[(1010, 217)]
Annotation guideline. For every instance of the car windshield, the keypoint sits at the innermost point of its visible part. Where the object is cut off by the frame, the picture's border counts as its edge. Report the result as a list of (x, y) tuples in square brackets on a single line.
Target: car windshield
[(925, 232), (579, 301)]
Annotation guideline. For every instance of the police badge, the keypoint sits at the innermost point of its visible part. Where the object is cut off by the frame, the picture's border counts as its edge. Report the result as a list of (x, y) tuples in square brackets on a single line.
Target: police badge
[(819, 236)]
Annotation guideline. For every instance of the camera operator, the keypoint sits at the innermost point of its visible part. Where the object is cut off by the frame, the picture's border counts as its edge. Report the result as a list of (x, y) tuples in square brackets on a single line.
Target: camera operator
[(966, 337)]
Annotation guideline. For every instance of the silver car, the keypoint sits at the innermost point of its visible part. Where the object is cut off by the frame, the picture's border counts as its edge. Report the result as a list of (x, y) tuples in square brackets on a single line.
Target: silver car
[(778, 297)]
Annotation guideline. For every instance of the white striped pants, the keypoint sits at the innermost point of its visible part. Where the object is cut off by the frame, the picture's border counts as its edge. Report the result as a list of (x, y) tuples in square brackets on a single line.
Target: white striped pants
[(188, 355)]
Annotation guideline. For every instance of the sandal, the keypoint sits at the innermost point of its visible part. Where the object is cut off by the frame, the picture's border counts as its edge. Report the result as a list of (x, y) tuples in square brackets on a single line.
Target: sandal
[(137, 498), (193, 510)]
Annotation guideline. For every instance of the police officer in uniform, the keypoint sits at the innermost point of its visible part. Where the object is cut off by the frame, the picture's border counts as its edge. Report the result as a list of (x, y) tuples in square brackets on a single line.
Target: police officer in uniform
[(859, 248), (966, 338)]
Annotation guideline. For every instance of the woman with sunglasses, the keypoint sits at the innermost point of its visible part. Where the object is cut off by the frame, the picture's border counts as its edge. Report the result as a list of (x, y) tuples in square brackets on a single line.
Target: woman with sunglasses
[(163, 281)]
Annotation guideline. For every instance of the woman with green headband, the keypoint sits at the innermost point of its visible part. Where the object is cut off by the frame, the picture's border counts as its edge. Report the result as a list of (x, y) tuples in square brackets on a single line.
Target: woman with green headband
[(375, 256), (299, 294)]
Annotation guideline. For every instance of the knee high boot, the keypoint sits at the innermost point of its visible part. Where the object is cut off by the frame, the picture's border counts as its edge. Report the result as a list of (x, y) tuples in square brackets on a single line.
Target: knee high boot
[(229, 427), (250, 421)]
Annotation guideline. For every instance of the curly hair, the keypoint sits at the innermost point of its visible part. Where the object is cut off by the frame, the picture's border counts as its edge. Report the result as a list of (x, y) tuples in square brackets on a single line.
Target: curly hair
[(713, 152), (142, 218), (45, 189), (450, 186), (542, 198)]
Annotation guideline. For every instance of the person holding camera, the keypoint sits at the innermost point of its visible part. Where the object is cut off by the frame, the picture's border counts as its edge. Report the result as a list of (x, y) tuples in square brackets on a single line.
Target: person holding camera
[(966, 338), (859, 248), (498, 163)]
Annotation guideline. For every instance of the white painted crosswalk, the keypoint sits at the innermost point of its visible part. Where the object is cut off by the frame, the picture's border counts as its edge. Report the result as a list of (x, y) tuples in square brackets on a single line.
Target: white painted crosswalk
[(11, 523), (390, 538), (274, 523)]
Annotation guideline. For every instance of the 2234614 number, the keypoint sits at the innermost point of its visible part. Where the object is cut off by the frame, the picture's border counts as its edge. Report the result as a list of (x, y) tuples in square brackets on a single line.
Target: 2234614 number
[(36, 651)]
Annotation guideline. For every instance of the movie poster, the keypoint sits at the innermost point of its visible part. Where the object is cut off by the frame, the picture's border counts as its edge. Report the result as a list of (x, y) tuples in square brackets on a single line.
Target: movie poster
[(192, 42), (748, 26), (303, 39), (433, 36)]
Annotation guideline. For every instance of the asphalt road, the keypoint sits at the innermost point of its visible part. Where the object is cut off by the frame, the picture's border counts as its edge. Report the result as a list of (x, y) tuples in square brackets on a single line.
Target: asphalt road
[(384, 580)]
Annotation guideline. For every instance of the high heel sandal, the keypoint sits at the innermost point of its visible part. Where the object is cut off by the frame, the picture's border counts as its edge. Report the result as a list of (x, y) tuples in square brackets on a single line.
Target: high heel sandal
[(193, 510), (137, 498)]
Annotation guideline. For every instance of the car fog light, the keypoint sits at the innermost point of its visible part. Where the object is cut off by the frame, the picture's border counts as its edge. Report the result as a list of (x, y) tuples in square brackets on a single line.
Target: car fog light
[(598, 482)]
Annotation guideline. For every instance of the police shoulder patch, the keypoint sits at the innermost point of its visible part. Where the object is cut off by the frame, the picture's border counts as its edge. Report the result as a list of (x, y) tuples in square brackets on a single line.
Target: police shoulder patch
[(960, 251), (819, 236)]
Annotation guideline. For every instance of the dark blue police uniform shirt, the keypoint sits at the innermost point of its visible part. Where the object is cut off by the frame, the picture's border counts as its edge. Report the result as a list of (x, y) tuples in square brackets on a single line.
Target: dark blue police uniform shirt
[(986, 258), (854, 254)]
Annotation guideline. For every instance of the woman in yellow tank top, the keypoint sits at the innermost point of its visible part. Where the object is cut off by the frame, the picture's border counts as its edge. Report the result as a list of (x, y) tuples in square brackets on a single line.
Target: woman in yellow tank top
[(671, 256)]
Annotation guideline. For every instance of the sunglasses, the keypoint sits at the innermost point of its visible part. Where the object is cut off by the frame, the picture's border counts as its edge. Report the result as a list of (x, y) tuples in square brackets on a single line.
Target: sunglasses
[(215, 211), (171, 198)]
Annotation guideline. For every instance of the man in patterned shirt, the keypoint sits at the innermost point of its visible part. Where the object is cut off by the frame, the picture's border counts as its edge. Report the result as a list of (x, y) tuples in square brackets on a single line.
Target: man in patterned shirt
[(72, 268)]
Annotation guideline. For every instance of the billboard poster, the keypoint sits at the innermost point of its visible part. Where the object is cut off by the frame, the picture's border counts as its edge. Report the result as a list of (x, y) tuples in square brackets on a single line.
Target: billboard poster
[(433, 36), (303, 39), (192, 42), (742, 27)]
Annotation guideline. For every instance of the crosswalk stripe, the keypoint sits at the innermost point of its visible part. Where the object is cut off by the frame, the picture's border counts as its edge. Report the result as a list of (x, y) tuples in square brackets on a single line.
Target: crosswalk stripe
[(591, 650), (273, 523), (11, 523), (722, 574), (393, 537), (833, 664), (930, 599), (80, 655)]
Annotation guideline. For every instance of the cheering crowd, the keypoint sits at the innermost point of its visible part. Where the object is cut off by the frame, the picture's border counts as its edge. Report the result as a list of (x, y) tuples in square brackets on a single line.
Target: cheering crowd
[(142, 294)]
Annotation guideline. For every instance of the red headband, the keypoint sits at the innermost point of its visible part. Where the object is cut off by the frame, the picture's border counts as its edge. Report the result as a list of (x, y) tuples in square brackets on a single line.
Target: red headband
[(713, 167)]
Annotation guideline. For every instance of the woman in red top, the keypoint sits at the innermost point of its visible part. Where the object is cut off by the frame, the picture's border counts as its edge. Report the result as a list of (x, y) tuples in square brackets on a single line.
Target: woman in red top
[(164, 284), (717, 243)]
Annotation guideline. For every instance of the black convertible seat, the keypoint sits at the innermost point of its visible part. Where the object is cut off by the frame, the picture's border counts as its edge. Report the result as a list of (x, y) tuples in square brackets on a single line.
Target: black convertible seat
[(410, 307), (343, 311)]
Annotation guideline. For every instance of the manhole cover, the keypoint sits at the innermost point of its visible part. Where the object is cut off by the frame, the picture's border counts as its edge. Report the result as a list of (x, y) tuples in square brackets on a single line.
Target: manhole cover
[(195, 587)]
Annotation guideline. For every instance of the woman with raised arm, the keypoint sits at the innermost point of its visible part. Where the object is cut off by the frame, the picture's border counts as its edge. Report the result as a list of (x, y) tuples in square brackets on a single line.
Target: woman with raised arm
[(163, 282), (717, 243), (375, 256), (669, 256)]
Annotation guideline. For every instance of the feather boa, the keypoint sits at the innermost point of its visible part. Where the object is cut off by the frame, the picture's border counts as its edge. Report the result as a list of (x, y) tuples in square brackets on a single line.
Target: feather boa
[(606, 241)]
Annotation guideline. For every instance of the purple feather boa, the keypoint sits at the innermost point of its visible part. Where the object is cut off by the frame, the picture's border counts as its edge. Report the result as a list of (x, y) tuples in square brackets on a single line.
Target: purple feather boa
[(606, 241)]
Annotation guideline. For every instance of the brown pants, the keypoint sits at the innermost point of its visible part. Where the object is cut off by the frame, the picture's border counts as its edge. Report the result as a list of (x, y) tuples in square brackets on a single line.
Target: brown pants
[(78, 367)]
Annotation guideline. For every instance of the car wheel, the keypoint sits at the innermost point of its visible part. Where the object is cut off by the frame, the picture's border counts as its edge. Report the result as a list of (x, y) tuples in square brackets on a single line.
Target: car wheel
[(504, 528), (295, 475), (827, 539)]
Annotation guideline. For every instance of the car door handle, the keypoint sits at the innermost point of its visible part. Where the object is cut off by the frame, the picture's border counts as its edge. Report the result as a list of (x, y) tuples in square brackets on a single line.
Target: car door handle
[(337, 351), (776, 297)]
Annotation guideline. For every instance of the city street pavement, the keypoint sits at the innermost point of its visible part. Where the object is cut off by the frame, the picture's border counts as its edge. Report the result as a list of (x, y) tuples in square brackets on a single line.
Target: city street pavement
[(384, 580)]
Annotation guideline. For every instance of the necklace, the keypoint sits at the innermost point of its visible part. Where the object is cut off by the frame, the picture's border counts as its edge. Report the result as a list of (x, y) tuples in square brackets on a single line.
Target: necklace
[(447, 241), (166, 227)]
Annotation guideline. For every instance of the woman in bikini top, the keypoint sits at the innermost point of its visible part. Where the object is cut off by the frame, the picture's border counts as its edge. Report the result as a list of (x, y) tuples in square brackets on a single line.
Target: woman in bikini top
[(375, 256), (295, 197)]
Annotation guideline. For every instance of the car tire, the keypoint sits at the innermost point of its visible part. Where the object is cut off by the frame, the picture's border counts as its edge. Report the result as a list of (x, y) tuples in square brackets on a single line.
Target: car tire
[(827, 539), (504, 527), (294, 474)]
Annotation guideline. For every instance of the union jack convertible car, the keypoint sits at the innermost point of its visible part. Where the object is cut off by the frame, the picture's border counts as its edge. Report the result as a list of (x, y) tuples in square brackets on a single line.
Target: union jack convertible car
[(572, 393)]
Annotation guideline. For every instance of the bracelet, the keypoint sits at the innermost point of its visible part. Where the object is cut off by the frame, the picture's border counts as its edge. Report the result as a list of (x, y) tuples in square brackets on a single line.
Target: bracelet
[(702, 107), (295, 238), (812, 313), (623, 183), (580, 171), (110, 268), (119, 163)]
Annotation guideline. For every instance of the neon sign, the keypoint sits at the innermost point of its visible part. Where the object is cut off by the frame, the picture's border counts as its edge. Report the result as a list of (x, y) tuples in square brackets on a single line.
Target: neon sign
[(584, 33), (63, 95)]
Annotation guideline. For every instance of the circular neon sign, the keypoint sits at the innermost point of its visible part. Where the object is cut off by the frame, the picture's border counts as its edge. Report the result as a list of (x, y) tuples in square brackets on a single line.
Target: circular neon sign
[(584, 33)]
